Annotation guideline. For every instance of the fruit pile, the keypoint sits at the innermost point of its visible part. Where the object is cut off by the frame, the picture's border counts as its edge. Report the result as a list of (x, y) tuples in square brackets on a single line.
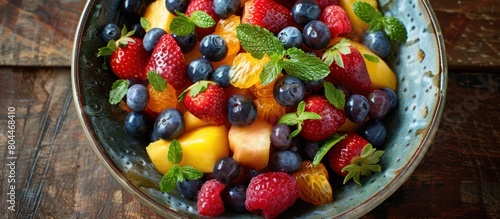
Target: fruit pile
[(254, 105)]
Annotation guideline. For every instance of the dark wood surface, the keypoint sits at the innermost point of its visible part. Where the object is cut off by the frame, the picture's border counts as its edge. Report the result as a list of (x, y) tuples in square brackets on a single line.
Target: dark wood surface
[(58, 175)]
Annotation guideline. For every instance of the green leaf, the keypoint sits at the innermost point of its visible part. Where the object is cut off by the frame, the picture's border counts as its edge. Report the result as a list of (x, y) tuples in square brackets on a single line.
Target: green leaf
[(198, 87), (327, 145), (270, 71), (308, 115), (371, 58), (169, 180), (335, 96), (157, 81), (108, 49), (174, 152), (258, 41), (288, 119), (118, 91), (297, 118), (395, 29), (145, 23), (304, 66), (191, 173), (181, 25), (202, 19), (365, 11)]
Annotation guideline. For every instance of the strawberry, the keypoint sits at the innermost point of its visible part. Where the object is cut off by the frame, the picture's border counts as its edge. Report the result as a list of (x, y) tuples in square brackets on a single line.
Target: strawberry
[(168, 61), (353, 157), (271, 193), (348, 67), (128, 58), (331, 119), (209, 200), (207, 101), (336, 20), (206, 6), (267, 14)]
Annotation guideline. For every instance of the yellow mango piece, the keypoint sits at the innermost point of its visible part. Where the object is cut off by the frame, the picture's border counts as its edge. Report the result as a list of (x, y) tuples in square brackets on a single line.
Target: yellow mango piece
[(251, 144), (201, 148), (358, 26), (192, 122), (158, 15), (380, 73)]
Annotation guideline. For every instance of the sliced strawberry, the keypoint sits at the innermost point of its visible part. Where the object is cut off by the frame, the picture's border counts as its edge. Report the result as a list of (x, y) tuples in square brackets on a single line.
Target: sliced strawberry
[(267, 14), (336, 20), (168, 61), (331, 119), (206, 6), (353, 157), (348, 67), (128, 58), (207, 101)]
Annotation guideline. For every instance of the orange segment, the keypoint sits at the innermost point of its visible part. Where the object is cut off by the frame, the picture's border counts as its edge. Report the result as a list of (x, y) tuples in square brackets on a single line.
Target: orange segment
[(268, 109), (314, 186), (245, 71), (158, 15), (226, 28), (159, 101), (264, 91)]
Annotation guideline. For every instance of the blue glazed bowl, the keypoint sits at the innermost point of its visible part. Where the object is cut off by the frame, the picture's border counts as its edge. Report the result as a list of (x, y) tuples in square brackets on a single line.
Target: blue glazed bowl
[(420, 64)]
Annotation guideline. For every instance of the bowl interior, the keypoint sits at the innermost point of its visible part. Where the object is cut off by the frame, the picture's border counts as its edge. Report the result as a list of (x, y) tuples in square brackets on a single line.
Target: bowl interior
[(420, 66)]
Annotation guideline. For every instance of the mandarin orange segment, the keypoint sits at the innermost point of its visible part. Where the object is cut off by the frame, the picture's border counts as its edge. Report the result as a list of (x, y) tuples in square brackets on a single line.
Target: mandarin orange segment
[(268, 109), (314, 186), (159, 101), (245, 71), (264, 91), (158, 15), (226, 28)]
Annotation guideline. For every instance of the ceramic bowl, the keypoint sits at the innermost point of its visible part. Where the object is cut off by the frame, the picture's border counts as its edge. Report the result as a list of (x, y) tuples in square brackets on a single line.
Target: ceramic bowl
[(420, 64)]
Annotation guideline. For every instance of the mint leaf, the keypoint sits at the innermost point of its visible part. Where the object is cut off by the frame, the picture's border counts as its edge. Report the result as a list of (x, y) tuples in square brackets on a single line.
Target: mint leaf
[(304, 66), (145, 23), (157, 81), (288, 119), (395, 29), (258, 41), (190, 173), (181, 25), (364, 11), (371, 58), (297, 118), (118, 91), (335, 96), (174, 152), (270, 72), (169, 180), (327, 145), (202, 19)]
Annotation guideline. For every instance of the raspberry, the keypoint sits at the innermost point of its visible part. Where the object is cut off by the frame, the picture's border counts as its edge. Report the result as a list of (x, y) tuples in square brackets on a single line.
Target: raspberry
[(209, 200), (324, 3), (271, 193), (336, 19)]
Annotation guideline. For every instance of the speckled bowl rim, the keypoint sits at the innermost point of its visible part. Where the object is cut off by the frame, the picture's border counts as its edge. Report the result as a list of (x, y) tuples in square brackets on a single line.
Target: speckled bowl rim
[(358, 211)]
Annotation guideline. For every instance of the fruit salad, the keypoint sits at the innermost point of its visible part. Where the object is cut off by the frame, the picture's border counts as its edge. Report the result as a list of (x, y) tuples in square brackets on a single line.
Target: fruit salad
[(251, 106)]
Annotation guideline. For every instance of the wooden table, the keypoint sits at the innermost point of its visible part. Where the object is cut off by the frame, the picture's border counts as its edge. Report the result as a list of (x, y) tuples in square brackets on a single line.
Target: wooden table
[(57, 175)]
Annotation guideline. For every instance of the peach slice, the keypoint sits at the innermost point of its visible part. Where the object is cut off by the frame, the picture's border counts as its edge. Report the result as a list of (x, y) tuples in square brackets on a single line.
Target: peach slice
[(251, 144)]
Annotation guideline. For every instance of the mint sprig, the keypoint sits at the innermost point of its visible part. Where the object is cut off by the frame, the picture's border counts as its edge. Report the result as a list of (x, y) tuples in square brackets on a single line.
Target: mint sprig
[(176, 172), (327, 145), (334, 96), (157, 81), (394, 29), (260, 42), (297, 118), (118, 91), (183, 25)]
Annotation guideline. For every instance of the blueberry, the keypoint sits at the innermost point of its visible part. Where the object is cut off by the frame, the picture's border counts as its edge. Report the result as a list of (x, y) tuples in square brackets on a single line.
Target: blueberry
[(169, 124), (200, 69), (187, 43), (357, 108), (288, 90), (110, 32), (280, 136), (137, 97), (313, 86), (374, 131), (152, 37), (139, 31), (379, 104), (213, 47), (176, 5), (134, 7), (311, 148), (225, 8), (285, 161), (189, 188), (221, 76), (241, 110), (136, 124), (305, 11), (290, 37), (226, 170), (377, 42), (316, 35), (234, 196), (393, 98)]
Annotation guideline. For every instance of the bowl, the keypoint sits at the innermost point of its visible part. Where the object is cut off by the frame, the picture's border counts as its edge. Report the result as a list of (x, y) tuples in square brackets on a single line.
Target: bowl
[(420, 64)]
